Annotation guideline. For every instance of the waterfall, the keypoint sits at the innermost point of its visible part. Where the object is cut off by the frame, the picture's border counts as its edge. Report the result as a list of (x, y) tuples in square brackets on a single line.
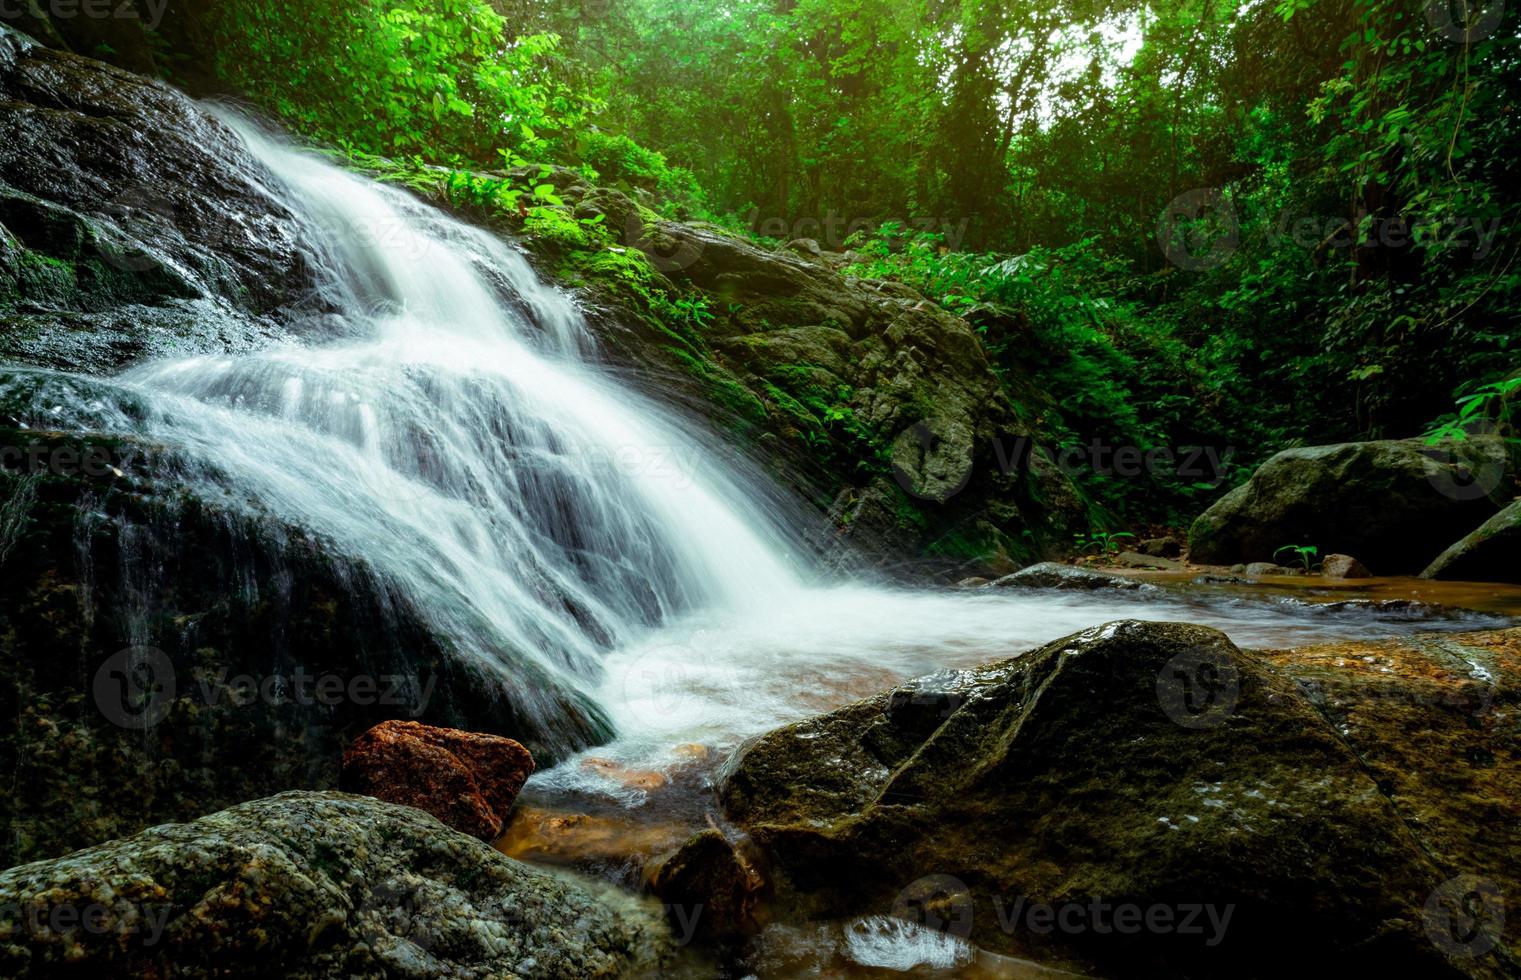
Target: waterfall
[(454, 434)]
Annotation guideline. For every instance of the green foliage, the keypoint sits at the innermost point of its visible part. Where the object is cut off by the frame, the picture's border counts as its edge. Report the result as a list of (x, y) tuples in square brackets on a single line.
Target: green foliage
[(1101, 542), (1356, 268), (1487, 410), (1119, 372), (618, 161), (442, 78)]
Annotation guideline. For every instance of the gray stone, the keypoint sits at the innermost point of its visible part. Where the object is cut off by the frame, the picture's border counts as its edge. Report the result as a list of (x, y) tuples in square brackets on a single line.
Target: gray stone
[(315, 885), (1163, 547), (1055, 575), (1394, 504)]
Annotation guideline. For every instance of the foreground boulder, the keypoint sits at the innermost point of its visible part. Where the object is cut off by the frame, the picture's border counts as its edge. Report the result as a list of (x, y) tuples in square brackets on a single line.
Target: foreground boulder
[(1492, 553), (314, 885), (1393, 504), (1148, 767), (466, 779)]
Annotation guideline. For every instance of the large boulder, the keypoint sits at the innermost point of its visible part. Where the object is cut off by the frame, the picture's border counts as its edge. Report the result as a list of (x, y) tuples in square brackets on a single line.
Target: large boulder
[(1055, 575), (310, 886), (1491, 553), (1394, 504), (468, 780), (163, 653), (132, 223), (1146, 767)]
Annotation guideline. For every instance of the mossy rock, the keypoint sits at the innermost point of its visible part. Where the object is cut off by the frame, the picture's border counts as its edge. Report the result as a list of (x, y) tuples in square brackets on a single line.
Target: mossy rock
[(1395, 504), (1150, 765), (316, 885)]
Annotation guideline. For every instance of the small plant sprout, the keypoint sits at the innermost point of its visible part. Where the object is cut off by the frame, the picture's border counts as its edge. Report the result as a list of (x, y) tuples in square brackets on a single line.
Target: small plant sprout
[(1102, 542), (1304, 552)]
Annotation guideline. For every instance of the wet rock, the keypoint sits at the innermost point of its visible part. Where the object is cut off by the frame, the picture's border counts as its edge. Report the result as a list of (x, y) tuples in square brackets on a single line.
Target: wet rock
[(1343, 566), (132, 222), (315, 885), (1269, 568), (1433, 719), (975, 582), (1394, 504), (466, 779), (932, 459), (806, 247), (1143, 764), (1055, 575), (1163, 547), (1133, 559), (710, 883), (150, 635), (1488, 554)]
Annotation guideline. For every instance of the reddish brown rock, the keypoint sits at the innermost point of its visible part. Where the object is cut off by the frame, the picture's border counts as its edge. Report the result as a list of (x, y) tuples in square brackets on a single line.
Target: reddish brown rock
[(466, 779)]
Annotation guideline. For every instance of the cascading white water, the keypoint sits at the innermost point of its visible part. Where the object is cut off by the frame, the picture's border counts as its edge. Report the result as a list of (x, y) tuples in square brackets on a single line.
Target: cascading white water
[(454, 434)]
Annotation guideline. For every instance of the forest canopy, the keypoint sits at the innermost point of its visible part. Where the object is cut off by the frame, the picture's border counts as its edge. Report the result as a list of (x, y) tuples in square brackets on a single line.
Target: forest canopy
[(1245, 226)]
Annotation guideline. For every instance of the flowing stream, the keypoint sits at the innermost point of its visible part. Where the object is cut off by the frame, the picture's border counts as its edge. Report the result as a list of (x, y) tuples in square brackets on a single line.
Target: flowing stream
[(457, 432)]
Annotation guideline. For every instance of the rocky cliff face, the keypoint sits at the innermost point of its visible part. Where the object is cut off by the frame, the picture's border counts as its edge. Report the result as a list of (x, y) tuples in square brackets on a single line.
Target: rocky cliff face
[(872, 403), (132, 223)]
